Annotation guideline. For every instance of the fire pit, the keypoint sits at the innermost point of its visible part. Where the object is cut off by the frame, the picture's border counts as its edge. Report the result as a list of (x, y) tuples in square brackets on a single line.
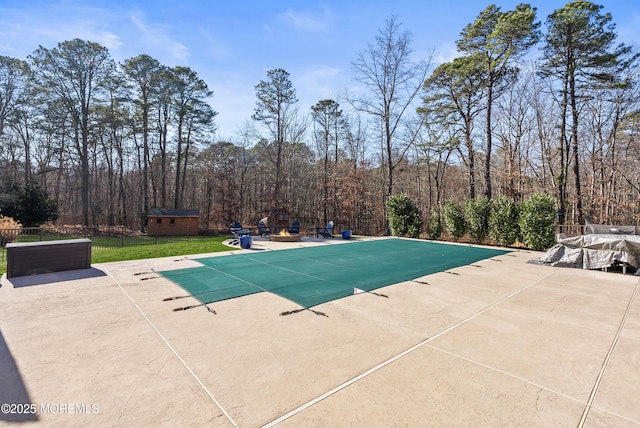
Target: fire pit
[(284, 236)]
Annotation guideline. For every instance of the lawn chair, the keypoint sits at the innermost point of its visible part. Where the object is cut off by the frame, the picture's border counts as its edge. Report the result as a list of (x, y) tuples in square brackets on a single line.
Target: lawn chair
[(237, 231), (295, 227), (263, 229), (326, 231)]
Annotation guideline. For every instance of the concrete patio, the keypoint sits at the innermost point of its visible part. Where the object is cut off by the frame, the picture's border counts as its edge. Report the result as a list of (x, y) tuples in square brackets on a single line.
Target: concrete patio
[(497, 343)]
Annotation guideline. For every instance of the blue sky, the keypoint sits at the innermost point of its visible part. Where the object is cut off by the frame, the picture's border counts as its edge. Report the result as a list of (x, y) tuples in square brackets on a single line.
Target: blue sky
[(232, 44)]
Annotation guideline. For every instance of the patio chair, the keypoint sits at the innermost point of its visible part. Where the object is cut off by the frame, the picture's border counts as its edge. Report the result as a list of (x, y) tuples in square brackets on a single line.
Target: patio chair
[(295, 227), (237, 231), (326, 231), (263, 229)]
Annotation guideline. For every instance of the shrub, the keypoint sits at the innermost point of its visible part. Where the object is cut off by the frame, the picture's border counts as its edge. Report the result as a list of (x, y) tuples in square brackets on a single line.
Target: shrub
[(435, 224), (29, 203), (503, 221), (9, 229), (405, 219), (454, 220), (9, 223), (477, 214), (537, 222), (35, 205)]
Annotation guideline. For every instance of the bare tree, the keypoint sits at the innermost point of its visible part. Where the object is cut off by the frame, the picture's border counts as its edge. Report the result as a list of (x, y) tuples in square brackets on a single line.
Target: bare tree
[(13, 76), (15, 101), (326, 124), (392, 80), (515, 129)]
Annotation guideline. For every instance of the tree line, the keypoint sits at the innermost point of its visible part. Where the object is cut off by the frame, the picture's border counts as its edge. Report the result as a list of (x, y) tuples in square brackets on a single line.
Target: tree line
[(518, 111)]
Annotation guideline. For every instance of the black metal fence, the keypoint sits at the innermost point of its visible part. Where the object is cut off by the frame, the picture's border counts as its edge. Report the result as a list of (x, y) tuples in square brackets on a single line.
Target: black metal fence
[(101, 237)]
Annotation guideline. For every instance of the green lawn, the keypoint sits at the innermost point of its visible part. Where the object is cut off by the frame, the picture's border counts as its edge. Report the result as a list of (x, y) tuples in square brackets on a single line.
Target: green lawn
[(116, 250)]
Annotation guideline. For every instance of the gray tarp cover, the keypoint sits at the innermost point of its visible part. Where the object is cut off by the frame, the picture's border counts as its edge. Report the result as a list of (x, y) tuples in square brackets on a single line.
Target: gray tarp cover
[(606, 229), (593, 251)]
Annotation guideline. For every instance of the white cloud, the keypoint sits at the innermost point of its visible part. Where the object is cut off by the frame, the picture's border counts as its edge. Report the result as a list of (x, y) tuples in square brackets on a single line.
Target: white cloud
[(320, 80), (323, 72), (156, 37), (307, 21), (233, 97), (235, 104), (85, 30), (109, 40), (446, 52), (216, 47), (23, 31)]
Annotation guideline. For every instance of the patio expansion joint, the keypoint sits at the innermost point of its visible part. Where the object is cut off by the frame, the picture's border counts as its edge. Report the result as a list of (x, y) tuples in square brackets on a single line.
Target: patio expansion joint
[(502, 372), (594, 391), (172, 349), (401, 354)]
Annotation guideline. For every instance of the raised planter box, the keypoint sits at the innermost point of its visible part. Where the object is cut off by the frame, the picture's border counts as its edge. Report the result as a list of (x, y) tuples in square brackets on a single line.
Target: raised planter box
[(30, 258)]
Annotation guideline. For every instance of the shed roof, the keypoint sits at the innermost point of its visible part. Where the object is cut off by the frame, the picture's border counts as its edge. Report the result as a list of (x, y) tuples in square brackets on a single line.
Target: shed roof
[(173, 212)]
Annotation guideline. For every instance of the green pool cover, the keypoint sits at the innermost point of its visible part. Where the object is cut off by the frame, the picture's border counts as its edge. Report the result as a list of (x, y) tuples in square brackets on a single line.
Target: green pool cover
[(314, 275)]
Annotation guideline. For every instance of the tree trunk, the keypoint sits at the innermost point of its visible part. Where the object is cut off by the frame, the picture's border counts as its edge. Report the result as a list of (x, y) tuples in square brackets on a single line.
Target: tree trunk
[(489, 148), (576, 154), (471, 163), (145, 163), (177, 201)]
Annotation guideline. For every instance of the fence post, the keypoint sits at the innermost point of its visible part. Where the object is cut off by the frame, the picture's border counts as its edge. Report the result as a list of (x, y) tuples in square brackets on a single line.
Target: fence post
[(122, 236)]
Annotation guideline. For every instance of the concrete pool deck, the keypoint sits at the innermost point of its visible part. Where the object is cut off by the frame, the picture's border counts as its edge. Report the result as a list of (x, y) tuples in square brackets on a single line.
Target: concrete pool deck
[(497, 343)]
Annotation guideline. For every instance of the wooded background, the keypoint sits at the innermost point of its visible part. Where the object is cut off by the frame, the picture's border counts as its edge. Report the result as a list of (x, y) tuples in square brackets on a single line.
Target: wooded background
[(523, 108)]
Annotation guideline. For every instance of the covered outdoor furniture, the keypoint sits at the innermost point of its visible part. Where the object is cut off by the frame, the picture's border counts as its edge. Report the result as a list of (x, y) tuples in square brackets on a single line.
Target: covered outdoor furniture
[(591, 228), (594, 251), (295, 227), (237, 231), (603, 229), (326, 231)]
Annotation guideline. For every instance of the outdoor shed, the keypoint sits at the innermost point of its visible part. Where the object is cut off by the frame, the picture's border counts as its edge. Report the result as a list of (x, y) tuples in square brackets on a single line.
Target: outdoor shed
[(170, 221)]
